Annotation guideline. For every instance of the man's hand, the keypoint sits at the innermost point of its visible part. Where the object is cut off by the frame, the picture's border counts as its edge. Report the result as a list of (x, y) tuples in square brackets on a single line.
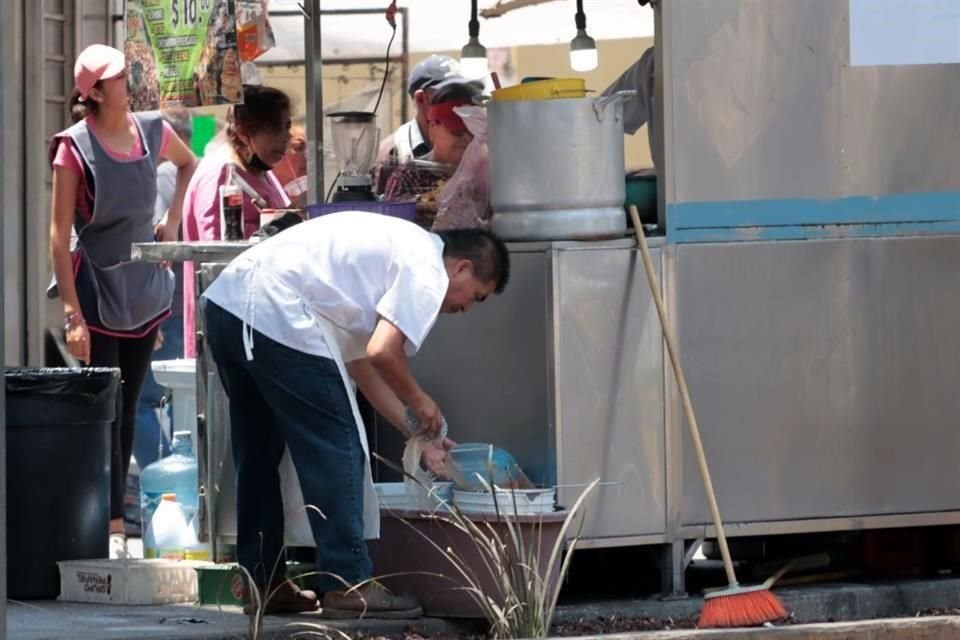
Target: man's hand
[(429, 415), (434, 458)]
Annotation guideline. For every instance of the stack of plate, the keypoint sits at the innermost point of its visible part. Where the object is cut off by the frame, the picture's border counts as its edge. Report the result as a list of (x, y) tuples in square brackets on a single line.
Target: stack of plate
[(521, 502), (393, 495)]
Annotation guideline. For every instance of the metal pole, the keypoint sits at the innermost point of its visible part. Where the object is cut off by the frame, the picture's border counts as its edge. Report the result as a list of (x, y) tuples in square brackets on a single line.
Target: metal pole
[(314, 78), (405, 66), (5, 19)]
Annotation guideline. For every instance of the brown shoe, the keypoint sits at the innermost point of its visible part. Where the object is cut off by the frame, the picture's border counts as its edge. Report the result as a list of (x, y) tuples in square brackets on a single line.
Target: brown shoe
[(369, 601), (282, 597)]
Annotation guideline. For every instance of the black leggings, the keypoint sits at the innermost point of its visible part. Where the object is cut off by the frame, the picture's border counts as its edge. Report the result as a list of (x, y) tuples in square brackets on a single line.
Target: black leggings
[(133, 356)]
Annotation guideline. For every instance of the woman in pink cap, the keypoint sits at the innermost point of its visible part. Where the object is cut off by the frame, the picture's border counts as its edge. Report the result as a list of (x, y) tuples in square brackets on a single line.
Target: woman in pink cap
[(104, 188)]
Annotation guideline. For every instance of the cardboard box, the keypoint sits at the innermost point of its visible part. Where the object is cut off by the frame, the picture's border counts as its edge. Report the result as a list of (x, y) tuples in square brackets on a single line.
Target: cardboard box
[(133, 582)]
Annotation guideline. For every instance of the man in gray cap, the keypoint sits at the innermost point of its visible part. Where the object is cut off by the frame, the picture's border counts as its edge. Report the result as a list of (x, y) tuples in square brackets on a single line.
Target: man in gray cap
[(410, 139)]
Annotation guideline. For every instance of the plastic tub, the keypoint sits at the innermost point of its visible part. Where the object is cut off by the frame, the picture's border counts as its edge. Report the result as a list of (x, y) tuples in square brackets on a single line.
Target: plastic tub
[(549, 89), (403, 210), (411, 572), (469, 465)]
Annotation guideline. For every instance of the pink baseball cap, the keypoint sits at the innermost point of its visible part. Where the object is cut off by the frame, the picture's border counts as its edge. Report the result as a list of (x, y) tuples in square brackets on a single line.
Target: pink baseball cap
[(97, 62)]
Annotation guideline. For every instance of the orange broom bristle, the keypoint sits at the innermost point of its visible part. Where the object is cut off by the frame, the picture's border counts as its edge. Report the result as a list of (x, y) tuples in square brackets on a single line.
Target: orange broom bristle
[(748, 609)]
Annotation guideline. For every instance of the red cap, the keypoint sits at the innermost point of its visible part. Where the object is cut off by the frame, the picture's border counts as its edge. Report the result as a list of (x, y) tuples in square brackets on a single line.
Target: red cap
[(97, 62), (444, 114)]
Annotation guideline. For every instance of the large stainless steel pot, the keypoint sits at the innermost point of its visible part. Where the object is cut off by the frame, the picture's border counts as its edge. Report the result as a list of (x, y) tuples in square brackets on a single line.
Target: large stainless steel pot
[(557, 168)]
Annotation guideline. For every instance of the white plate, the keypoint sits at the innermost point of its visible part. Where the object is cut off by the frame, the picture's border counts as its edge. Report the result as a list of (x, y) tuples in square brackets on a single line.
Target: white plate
[(519, 501)]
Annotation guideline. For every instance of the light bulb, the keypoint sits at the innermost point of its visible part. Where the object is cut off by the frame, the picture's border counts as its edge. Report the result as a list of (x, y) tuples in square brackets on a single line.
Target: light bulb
[(583, 59), (473, 60), (473, 68), (583, 52)]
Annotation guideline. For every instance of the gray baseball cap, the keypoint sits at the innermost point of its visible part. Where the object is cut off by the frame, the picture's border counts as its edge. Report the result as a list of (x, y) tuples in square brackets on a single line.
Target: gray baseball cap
[(434, 70)]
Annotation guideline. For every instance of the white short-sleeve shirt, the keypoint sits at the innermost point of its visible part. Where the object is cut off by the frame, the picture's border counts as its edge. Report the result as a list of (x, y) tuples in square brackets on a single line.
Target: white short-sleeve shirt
[(350, 268)]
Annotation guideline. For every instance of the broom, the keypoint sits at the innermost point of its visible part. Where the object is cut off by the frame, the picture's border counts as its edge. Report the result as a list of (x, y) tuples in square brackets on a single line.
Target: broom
[(733, 606)]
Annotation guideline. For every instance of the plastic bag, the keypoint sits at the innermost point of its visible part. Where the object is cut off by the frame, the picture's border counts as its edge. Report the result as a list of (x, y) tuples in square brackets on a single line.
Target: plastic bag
[(464, 202), (254, 33)]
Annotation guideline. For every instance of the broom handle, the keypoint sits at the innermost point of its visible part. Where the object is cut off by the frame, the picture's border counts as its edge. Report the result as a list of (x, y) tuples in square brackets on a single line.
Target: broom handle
[(685, 396)]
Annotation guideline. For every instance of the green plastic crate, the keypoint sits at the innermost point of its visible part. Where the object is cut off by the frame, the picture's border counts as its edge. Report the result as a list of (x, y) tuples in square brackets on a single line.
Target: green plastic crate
[(222, 584)]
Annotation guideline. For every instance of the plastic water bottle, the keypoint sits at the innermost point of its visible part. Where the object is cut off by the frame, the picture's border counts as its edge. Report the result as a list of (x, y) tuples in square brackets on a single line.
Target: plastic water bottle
[(195, 549), (177, 474), (169, 533)]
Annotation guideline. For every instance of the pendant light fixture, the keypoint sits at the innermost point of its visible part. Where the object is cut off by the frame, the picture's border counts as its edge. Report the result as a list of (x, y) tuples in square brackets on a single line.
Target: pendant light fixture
[(473, 56), (583, 48)]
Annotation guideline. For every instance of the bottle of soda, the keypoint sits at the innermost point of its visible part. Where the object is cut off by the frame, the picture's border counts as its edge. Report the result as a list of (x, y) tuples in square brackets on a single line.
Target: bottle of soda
[(231, 209)]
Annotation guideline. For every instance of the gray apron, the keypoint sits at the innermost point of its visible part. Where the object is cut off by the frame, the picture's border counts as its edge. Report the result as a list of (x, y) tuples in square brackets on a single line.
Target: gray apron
[(115, 292)]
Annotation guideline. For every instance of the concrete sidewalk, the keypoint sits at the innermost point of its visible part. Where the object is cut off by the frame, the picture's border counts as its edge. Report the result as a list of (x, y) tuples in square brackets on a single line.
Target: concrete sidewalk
[(834, 602), (941, 628), (62, 620)]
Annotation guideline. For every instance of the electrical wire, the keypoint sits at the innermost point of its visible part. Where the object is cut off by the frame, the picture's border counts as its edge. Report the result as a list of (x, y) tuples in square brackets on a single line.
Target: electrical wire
[(386, 71)]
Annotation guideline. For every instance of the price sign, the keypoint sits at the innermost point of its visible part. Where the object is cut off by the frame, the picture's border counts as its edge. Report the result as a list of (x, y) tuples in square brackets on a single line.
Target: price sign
[(182, 52)]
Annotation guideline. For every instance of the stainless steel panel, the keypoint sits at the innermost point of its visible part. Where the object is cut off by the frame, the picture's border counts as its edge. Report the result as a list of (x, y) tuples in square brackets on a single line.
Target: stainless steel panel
[(824, 376), (487, 370), (609, 386), (763, 104)]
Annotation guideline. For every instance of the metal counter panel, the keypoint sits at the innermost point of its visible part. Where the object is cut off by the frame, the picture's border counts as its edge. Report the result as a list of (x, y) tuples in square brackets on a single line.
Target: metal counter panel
[(824, 376), (763, 104), (610, 390), (487, 370)]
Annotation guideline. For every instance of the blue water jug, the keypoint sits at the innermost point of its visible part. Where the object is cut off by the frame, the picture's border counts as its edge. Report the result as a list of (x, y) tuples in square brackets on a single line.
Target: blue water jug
[(177, 473)]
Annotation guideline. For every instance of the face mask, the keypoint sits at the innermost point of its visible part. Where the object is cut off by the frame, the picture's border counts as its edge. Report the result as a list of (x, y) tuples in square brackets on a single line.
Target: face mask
[(257, 164)]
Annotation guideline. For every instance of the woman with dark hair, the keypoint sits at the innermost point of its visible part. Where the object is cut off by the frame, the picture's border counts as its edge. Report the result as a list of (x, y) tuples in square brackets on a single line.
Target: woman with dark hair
[(104, 188), (255, 140)]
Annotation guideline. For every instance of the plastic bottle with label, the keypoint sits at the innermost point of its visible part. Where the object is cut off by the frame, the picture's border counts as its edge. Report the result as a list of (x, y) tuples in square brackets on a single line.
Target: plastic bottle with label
[(177, 473), (169, 533)]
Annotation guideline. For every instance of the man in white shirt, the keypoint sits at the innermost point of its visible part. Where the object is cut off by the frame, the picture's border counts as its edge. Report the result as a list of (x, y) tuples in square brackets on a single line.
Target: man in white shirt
[(285, 322)]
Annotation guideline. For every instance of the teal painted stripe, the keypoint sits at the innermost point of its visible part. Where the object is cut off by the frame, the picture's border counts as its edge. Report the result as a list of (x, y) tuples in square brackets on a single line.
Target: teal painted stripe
[(861, 210), (813, 232)]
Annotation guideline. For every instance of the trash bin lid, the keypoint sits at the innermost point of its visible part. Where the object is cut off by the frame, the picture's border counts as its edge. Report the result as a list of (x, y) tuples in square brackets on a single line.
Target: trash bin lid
[(58, 380)]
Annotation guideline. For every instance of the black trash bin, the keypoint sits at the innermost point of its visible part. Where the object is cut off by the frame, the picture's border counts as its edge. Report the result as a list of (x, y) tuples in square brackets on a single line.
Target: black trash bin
[(58, 473)]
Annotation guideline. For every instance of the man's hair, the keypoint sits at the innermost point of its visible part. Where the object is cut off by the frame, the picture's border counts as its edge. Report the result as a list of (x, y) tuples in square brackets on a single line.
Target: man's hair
[(487, 252)]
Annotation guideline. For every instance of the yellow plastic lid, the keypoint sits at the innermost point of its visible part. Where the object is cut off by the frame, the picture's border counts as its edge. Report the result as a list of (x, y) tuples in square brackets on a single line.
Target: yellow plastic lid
[(543, 90)]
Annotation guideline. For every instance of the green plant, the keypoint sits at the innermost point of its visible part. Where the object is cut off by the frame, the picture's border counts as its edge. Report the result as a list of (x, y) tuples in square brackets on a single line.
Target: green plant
[(522, 601)]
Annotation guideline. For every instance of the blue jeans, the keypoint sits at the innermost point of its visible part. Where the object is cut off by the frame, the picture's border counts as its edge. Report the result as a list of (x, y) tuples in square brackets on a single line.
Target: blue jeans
[(149, 441), (286, 397)]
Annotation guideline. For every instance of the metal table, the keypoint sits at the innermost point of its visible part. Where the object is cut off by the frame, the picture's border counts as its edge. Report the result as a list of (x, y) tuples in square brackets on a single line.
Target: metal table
[(215, 477)]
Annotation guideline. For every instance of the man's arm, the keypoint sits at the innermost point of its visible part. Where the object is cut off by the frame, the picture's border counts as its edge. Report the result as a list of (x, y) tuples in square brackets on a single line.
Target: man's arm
[(380, 395), (386, 355), (387, 404)]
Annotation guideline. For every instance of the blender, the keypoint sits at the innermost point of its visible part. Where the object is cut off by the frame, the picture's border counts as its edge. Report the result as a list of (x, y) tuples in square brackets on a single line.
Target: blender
[(355, 141)]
